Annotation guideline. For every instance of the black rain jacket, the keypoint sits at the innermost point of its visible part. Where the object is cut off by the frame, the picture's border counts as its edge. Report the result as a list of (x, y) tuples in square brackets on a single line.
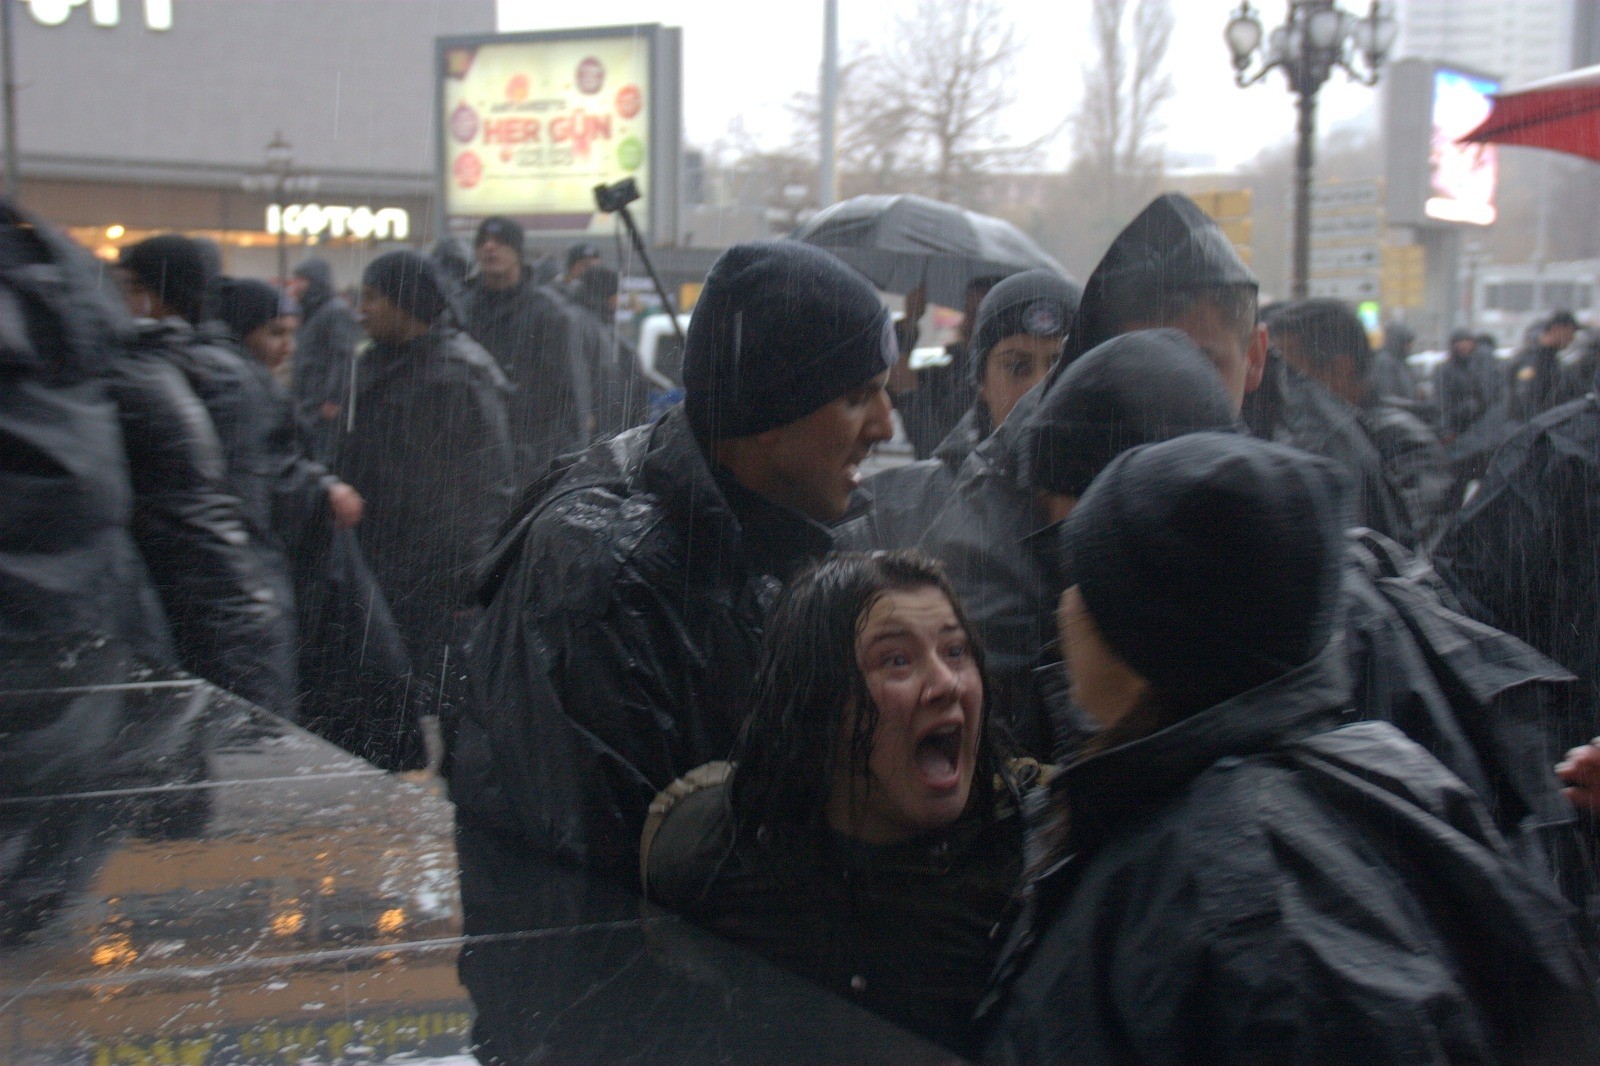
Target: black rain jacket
[(66, 563), (1414, 464), (625, 612), (1524, 554), (1290, 408), (530, 336), (1260, 883), (428, 451)]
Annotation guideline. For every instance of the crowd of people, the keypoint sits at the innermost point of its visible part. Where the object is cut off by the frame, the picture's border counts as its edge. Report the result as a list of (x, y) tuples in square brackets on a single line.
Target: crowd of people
[(1205, 691)]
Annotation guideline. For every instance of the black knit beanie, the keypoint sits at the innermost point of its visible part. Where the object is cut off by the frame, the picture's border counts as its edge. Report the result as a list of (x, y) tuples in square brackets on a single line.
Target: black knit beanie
[(1141, 387), (1211, 563), (174, 268), (409, 281), (1038, 303), (245, 305), (500, 228), (780, 329)]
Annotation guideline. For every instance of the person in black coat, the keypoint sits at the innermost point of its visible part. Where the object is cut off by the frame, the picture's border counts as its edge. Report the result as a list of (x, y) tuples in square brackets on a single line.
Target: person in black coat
[(1235, 873), (626, 601), (549, 410), (1325, 341), (1467, 385), (428, 451), (167, 286), (1016, 338), (324, 353), (1171, 267), (619, 395), (355, 685), (1536, 383), (887, 893)]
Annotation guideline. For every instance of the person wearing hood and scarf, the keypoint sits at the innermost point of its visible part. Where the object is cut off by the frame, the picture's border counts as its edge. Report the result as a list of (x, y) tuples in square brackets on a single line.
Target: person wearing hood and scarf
[(324, 355), (1016, 339), (1171, 267), (1235, 872), (428, 450)]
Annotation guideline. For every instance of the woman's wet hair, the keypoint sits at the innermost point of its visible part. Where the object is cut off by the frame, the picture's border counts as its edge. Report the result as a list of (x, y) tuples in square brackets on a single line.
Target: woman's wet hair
[(809, 688)]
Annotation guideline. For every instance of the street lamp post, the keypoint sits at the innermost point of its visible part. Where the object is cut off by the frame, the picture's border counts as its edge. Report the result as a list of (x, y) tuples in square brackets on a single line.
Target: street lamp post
[(279, 180), (280, 165), (1315, 37)]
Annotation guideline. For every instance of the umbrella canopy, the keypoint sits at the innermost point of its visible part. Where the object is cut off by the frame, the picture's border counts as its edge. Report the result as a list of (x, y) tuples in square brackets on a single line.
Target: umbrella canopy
[(898, 242), (1561, 113)]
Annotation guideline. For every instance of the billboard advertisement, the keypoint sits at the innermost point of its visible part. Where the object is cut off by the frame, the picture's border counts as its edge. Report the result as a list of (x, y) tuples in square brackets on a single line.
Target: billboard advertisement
[(531, 123), (1461, 177)]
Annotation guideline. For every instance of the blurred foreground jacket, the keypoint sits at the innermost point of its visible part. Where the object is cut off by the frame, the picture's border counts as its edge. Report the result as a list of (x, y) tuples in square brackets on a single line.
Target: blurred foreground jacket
[(67, 565), (241, 416)]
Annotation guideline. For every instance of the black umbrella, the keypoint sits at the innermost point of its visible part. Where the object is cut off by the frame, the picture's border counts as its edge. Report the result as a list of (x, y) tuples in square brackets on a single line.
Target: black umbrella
[(899, 242)]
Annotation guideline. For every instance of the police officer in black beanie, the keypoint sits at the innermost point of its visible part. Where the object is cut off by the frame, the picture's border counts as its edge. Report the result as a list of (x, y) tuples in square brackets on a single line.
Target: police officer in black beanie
[(1298, 887), (627, 602), (1016, 337), (424, 442)]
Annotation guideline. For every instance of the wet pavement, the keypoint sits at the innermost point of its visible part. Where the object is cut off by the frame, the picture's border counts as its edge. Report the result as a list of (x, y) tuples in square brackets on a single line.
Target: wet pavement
[(186, 879)]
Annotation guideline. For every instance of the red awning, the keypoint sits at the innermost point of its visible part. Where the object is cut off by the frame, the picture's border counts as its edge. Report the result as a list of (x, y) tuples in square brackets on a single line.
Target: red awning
[(1560, 113)]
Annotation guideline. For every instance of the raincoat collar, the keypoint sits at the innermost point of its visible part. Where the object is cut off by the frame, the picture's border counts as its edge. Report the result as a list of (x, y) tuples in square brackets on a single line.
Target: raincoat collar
[(1111, 786), (728, 526)]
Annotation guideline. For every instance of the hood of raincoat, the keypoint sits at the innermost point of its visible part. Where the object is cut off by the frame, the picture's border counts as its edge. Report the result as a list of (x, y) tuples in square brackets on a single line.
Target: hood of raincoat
[(1171, 245)]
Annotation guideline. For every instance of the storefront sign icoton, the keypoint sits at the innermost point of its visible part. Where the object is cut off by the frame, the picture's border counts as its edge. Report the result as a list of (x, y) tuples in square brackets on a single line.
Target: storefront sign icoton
[(106, 13), (314, 220)]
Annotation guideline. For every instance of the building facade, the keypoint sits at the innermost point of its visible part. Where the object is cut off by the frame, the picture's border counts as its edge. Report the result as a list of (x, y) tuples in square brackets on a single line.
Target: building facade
[(126, 129)]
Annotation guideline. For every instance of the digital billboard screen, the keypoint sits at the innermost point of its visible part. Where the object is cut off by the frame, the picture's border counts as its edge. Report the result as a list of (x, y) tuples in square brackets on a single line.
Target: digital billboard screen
[(1461, 177), (532, 123)]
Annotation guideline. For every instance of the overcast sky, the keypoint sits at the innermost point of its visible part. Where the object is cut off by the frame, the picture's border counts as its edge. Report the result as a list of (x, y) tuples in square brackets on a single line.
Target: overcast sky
[(744, 60)]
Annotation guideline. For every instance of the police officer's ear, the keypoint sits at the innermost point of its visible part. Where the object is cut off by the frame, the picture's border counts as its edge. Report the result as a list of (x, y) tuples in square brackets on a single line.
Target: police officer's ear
[(1256, 354)]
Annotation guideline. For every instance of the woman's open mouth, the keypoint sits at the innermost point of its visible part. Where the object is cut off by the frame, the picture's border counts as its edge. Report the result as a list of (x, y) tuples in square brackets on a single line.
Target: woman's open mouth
[(938, 757)]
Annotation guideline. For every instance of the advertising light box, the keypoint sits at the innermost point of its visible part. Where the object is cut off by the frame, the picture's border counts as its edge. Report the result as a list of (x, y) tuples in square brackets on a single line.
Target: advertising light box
[(531, 123), (1461, 177)]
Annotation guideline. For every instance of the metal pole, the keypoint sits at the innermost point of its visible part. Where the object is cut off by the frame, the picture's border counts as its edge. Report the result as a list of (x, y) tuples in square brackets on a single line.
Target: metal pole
[(644, 253), (1305, 154), (283, 237), (8, 76), (828, 179)]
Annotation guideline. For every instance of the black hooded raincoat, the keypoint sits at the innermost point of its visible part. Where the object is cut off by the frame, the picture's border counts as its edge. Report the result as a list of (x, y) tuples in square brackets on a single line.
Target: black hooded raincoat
[(626, 609), (1261, 883)]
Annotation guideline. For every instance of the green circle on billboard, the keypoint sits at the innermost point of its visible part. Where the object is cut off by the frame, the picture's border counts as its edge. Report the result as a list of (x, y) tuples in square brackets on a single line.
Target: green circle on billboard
[(630, 153)]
